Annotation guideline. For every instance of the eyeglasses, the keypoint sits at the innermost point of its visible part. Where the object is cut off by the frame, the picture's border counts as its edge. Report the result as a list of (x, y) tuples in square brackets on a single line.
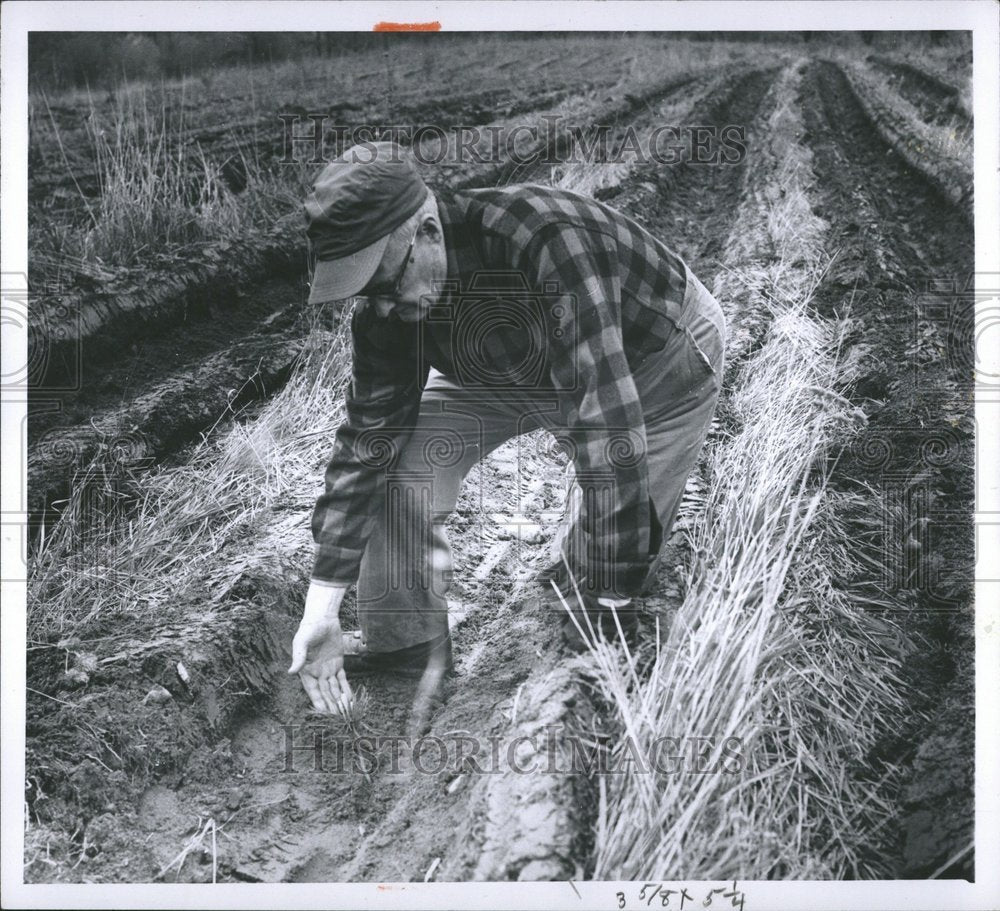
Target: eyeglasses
[(391, 290)]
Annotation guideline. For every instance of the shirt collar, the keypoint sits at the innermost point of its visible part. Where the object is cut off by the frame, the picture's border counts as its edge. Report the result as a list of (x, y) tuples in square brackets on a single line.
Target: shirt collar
[(460, 240)]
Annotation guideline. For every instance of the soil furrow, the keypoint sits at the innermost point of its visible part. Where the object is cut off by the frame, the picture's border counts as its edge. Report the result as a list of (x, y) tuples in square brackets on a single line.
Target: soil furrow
[(80, 331), (338, 822), (693, 204), (903, 272), (162, 416), (937, 100), (202, 327)]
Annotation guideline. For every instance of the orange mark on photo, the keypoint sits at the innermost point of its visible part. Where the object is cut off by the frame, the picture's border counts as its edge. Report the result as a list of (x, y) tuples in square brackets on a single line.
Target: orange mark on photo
[(407, 27)]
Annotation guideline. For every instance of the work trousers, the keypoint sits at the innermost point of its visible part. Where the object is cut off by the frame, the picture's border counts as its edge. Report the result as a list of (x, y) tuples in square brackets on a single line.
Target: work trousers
[(407, 566)]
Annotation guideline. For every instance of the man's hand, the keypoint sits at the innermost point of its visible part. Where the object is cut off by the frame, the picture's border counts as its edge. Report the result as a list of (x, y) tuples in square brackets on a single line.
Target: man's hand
[(318, 651)]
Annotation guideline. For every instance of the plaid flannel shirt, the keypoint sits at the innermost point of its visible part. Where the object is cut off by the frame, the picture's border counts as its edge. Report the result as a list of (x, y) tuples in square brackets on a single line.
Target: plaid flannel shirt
[(548, 289)]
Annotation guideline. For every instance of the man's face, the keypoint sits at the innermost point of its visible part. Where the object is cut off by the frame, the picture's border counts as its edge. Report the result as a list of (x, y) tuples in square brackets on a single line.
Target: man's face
[(406, 281)]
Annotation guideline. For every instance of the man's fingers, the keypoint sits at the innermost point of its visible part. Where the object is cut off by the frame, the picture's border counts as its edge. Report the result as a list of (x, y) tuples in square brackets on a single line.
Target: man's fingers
[(346, 696), (311, 686), (330, 689), (340, 690), (344, 685), (299, 651)]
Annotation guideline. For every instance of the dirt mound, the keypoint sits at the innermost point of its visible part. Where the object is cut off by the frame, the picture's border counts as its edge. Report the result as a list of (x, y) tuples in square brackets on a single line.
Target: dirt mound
[(904, 271), (938, 100)]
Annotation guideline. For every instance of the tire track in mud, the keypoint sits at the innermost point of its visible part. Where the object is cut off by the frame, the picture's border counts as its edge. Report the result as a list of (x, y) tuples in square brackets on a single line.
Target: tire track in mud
[(903, 271), (326, 824)]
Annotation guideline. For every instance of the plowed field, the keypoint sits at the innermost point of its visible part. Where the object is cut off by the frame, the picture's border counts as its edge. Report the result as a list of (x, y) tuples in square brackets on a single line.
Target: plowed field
[(171, 489)]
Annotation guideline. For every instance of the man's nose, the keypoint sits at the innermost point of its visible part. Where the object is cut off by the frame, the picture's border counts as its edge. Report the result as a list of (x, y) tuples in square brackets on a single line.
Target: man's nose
[(383, 306)]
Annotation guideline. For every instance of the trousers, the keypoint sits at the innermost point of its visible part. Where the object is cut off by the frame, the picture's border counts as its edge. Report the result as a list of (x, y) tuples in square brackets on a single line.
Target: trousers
[(407, 567)]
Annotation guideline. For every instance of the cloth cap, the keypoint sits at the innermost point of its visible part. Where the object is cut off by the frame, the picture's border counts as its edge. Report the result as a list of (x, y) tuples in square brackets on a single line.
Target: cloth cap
[(357, 201)]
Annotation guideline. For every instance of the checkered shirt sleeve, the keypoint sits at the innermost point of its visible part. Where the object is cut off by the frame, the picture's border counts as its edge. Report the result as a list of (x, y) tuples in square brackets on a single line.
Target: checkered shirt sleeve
[(605, 430), (382, 404)]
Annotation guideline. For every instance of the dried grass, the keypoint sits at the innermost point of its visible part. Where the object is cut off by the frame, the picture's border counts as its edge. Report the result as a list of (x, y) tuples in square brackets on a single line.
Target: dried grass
[(766, 646), (158, 192), (242, 500)]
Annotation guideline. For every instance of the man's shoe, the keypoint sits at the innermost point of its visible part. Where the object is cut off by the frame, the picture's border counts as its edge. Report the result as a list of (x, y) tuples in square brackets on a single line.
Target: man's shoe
[(411, 661)]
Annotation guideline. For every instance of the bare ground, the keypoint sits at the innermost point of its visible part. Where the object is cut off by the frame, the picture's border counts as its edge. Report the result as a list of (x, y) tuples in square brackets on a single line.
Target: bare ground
[(904, 270), (110, 805)]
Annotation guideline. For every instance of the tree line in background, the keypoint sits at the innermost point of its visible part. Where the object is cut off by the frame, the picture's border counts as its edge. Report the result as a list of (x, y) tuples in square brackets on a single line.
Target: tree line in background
[(60, 60)]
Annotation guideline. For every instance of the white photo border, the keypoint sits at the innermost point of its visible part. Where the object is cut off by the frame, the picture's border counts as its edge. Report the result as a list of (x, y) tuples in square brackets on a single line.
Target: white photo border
[(978, 16)]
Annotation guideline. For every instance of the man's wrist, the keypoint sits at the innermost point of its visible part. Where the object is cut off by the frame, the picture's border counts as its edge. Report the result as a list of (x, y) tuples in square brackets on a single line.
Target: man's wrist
[(323, 600), (326, 583)]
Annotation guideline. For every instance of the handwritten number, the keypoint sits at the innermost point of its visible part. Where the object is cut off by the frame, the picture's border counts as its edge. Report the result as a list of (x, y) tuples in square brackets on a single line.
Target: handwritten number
[(649, 891), (735, 896)]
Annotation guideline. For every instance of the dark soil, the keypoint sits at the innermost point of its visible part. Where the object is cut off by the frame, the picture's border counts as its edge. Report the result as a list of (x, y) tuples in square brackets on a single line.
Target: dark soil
[(120, 786), (904, 271), (691, 205), (937, 101), (226, 757)]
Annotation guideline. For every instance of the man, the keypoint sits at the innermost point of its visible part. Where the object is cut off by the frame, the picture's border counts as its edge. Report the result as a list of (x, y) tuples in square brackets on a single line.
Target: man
[(487, 314)]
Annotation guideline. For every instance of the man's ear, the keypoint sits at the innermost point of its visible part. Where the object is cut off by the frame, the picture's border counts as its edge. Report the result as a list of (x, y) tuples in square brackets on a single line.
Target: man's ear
[(430, 227)]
